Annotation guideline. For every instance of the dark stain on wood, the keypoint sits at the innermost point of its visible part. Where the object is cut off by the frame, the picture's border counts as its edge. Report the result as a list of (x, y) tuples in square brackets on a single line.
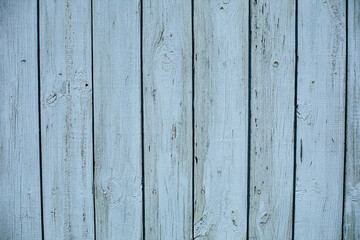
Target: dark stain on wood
[(301, 150)]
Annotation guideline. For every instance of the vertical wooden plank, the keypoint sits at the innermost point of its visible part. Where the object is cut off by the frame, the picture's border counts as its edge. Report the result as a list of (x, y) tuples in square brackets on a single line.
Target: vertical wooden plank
[(117, 119), (272, 119), (167, 82), (20, 202), (352, 181), (221, 118), (66, 119), (320, 119)]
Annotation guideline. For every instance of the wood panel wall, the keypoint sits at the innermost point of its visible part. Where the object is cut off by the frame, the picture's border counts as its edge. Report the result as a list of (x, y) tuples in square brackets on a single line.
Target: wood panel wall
[(179, 119)]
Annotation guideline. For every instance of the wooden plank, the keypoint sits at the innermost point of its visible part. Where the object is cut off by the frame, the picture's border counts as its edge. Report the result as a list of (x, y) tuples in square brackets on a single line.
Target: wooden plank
[(66, 119), (167, 83), (117, 119), (20, 201), (272, 119), (352, 174), (320, 119), (221, 118)]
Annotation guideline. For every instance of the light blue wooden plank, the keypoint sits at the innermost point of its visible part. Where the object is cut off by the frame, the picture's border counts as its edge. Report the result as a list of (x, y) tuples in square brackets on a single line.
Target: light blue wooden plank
[(352, 181), (20, 203), (221, 118), (167, 66), (320, 119), (66, 119), (117, 116), (272, 119)]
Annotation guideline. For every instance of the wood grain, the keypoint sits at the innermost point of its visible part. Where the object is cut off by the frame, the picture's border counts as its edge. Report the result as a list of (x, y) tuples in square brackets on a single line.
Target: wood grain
[(66, 119), (137, 96), (117, 119), (167, 83), (221, 118), (20, 201), (320, 119), (272, 119), (352, 181)]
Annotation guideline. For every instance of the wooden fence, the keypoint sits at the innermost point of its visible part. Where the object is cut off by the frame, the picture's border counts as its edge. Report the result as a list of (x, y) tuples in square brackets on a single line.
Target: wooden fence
[(179, 119)]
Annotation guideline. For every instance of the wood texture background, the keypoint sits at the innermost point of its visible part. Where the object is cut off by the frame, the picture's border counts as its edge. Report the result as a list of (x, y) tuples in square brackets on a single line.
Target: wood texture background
[(167, 76), (221, 119), (66, 119), (20, 197), (272, 119), (117, 119), (179, 119), (352, 170), (320, 119)]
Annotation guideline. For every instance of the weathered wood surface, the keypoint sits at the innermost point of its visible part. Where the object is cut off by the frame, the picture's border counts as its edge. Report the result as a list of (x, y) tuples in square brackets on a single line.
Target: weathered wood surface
[(272, 119), (221, 119), (167, 84), (137, 96), (66, 119), (352, 174), (20, 201), (320, 119), (117, 119)]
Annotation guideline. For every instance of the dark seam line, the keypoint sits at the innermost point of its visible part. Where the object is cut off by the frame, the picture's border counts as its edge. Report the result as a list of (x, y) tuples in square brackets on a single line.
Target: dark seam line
[(249, 124), (193, 117), (345, 130), (295, 117), (142, 120), (93, 114), (39, 112)]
